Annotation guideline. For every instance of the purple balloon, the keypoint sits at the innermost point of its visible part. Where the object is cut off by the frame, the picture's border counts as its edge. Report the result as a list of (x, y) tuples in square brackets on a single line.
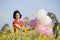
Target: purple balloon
[(33, 23)]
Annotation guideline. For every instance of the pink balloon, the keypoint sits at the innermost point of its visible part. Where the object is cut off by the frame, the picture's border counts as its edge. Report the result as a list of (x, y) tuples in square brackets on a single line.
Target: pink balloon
[(41, 28), (46, 31)]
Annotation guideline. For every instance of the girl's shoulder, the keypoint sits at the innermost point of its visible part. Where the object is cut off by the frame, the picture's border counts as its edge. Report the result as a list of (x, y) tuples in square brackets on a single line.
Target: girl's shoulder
[(14, 22)]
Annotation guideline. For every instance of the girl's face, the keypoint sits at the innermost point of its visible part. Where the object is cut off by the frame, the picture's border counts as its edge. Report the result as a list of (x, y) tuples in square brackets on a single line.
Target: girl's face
[(17, 16)]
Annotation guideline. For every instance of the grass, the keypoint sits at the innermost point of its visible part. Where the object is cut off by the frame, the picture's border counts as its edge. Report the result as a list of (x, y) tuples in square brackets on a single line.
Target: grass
[(26, 35)]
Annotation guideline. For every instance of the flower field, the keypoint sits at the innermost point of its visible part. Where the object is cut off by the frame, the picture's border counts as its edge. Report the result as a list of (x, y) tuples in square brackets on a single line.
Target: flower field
[(26, 35)]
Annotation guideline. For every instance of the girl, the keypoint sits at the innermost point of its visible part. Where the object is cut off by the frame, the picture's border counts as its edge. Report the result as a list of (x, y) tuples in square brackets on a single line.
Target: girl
[(17, 24)]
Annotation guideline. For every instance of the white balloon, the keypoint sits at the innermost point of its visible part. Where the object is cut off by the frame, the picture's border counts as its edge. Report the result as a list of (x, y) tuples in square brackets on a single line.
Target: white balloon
[(41, 13), (46, 20)]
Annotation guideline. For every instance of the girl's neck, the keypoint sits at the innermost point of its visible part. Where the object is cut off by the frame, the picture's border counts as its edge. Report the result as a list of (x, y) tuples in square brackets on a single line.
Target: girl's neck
[(17, 20)]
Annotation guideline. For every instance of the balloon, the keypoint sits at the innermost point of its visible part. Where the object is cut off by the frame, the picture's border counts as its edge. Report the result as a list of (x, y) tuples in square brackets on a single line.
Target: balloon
[(33, 23), (41, 28), (46, 21), (48, 32), (44, 29), (41, 13)]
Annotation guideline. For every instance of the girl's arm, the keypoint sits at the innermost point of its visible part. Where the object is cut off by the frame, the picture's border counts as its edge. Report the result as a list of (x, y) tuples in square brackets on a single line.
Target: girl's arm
[(17, 26)]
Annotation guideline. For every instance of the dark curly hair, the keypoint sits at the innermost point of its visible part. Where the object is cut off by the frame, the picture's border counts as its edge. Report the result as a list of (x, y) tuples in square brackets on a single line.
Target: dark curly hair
[(14, 14)]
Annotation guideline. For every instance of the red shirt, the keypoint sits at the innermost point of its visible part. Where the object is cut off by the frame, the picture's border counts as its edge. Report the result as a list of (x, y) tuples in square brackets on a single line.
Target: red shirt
[(21, 24)]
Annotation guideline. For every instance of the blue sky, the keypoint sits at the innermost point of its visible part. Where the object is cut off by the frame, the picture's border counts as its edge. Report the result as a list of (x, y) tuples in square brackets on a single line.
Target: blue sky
[(26, 7)]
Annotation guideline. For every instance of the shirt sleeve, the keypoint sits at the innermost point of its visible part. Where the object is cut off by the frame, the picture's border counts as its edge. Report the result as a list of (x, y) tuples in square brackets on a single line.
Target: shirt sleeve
[(22, 23)]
